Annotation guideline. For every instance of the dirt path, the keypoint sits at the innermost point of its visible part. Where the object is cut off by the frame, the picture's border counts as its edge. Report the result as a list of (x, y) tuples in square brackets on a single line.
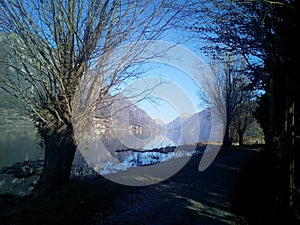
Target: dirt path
[(189, 197), (239, 182)]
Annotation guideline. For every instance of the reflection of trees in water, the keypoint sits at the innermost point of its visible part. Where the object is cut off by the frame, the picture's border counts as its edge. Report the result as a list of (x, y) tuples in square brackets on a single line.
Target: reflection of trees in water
[(102, 147), (125, 139)]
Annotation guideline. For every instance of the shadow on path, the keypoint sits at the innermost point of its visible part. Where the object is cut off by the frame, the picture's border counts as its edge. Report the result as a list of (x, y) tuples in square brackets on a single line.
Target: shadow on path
[(228, 192), (189, 197)]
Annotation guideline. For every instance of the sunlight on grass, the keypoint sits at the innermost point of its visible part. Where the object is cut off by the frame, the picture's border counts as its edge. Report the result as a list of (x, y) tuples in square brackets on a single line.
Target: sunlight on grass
[(195, 206), (218, 212), (214, 213), (228, 167)]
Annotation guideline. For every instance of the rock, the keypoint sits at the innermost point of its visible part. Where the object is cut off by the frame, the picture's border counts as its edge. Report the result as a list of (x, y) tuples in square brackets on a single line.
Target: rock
[(10, 171), (24, 169)]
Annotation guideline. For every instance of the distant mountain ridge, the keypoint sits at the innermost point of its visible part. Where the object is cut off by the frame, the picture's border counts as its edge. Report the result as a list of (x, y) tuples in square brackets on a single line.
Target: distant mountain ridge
[(176, 123), (199, 123), (125, 114)]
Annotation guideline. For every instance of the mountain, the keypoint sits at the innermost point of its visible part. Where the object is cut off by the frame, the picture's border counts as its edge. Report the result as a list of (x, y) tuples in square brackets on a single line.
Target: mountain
[(123, 114), (12, 111), (192, 125), (176, 123), (160, 122)]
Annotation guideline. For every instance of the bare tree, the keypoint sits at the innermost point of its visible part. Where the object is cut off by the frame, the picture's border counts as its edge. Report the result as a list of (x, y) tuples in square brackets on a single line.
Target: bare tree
[(64, 60), (244, 119), (263, 32), (231, 92)]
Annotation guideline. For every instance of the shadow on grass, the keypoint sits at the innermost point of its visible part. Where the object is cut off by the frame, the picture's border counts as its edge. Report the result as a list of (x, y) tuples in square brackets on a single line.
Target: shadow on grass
[(74, 203), (235, 189), (187, 197)]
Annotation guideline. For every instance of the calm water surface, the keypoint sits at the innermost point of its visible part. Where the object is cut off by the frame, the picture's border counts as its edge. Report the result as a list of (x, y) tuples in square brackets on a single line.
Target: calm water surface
[(19, 144)]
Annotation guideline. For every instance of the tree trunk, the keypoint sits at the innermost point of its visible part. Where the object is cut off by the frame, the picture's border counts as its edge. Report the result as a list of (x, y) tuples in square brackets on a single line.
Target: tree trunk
[(60, 147), (241, 138), (226, 139), (290, 147)]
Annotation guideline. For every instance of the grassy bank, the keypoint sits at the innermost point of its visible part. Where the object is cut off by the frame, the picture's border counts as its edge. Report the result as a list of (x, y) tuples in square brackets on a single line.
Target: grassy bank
[(238, 188)]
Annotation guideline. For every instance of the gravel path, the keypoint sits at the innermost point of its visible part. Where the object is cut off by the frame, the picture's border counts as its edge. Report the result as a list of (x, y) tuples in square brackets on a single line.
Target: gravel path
[(189, 197)]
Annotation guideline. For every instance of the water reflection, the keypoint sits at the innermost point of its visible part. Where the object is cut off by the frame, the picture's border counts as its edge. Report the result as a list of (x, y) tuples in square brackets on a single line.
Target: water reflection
[(102, 146), (17, 144), (115, 150), (124, 139), (145, 139)]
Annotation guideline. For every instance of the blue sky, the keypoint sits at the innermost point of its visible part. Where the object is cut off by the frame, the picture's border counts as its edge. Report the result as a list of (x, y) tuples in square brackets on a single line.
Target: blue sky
[(164, 109), (179, 66), (183, 71)]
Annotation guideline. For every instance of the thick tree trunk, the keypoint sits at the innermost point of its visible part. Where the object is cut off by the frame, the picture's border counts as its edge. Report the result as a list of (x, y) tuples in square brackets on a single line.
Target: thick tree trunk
[(241, 138), (60, 147)]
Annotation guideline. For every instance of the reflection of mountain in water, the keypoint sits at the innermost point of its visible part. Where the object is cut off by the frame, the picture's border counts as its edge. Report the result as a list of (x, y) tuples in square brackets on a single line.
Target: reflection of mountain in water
[(124, 115), (124, 139), (118, 149), (126, 126), (187, 129)]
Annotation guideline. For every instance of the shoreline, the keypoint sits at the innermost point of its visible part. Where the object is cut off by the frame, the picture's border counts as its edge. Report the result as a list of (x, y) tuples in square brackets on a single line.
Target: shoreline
[(26, 173), (206, 197)]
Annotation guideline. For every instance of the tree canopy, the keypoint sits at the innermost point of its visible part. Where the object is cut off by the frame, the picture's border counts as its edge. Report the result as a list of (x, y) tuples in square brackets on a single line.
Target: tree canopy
[(63, 61)]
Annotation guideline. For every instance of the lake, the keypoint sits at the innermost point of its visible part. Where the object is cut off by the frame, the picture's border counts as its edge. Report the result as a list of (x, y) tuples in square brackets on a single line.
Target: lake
[(19, 144)]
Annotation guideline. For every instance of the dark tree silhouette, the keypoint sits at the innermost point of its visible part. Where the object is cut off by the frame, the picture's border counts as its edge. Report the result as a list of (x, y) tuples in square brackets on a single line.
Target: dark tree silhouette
[(59, 48), (264, 33)]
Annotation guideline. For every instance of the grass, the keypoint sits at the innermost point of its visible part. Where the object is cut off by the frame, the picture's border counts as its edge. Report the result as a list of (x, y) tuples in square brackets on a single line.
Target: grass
[(74, 203), (257, 196), (79, 201)]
